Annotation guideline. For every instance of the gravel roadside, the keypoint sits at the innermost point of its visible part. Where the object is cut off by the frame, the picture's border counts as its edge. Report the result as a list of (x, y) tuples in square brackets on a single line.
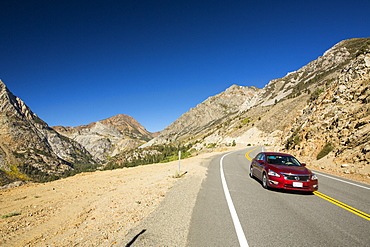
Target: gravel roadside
[(168, 225)]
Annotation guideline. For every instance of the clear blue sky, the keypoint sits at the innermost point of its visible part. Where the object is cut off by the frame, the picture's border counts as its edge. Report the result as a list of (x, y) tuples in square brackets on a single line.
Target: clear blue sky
[(77, 62)]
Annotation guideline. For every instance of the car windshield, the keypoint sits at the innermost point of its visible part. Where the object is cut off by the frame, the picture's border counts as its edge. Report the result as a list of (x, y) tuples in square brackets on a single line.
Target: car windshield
[(282, 160)]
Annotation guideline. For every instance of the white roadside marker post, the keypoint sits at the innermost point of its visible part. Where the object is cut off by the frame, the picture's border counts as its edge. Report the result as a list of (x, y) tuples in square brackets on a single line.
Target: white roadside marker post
[(179, 160)]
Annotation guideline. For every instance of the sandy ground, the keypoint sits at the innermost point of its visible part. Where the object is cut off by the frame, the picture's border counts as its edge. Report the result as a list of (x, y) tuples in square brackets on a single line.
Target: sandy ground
[(89, 209)]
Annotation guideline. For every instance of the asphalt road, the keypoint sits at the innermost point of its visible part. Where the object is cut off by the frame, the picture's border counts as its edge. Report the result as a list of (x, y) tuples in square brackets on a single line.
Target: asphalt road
[(254, 216)]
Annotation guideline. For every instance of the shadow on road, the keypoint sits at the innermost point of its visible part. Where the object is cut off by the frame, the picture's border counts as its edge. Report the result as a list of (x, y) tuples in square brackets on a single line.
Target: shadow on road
[(134, 239)]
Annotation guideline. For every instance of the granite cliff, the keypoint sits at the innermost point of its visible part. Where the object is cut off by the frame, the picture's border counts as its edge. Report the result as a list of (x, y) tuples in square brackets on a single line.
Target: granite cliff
[(337, 122), (109, 137), (207, 114), (29, 148)]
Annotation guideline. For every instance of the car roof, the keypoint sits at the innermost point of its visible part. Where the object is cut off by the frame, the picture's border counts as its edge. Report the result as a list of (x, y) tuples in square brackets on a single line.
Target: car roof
[(276, 153)]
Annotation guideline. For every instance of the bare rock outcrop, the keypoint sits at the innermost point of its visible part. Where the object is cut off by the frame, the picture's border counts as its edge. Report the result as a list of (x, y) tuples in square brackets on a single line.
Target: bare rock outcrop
[(200, 119), (339, 120), (29, 148), (108, 137)]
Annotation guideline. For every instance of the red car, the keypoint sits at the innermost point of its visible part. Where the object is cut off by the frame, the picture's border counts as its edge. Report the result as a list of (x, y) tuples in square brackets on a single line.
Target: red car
[(282, 171)]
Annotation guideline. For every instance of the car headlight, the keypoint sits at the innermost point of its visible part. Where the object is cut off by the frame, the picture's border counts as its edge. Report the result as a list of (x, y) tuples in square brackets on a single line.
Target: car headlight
[(313, 176), (274, 174)]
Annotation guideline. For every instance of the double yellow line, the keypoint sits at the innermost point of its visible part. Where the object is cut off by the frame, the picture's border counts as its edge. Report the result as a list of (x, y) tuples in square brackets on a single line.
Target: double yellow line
[(247, 154), (329, 199), (342, 205)]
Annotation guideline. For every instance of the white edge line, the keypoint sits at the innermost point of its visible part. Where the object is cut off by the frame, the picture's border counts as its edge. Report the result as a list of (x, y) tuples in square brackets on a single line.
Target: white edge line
[(321, 174), (238, 227)]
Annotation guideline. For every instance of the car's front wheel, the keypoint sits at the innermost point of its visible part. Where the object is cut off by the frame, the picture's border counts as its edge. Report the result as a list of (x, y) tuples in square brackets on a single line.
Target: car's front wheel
[(264, 181)]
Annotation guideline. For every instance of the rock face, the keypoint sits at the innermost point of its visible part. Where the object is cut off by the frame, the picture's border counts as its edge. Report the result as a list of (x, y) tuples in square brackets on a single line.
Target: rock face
[(199, 119), (339, 118), (323, 104), (106, 138), (29, 148)]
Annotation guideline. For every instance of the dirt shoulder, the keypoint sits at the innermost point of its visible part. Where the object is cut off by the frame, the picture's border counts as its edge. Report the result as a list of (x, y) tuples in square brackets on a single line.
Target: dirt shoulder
[(169, 224), (91, 209)]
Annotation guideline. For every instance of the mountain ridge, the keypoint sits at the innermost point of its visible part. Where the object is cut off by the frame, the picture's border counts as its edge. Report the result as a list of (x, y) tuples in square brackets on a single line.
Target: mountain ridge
[(29, 149), (108, 137), (271, 116), (322, 109)]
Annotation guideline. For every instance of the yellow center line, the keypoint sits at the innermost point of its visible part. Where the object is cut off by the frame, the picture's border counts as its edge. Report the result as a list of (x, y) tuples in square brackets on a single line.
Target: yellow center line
[(342, 205), (247, 154)]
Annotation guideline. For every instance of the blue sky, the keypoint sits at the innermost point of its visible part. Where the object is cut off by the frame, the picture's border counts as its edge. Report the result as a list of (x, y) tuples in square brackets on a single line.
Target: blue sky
[(77, 62)]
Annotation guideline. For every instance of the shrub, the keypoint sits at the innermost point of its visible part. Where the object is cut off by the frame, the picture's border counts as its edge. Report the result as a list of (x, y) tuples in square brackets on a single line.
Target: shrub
[(316, 94), (10, 215), (149, 155), (294, 139), (246, 120), (211, 145), (325, 150)]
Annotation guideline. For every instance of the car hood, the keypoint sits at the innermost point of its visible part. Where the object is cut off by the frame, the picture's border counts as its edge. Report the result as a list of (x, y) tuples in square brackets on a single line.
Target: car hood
[(290, 169)]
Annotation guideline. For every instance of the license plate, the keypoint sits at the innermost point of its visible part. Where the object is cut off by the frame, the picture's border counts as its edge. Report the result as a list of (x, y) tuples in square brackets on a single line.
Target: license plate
[(297, 184)]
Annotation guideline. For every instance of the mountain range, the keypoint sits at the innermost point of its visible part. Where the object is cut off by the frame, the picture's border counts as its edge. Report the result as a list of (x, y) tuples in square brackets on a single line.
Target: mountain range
[(320, 110)]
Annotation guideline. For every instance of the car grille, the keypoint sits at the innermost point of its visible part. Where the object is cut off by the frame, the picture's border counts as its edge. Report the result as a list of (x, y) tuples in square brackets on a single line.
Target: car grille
[(295, 177), (291, 187)]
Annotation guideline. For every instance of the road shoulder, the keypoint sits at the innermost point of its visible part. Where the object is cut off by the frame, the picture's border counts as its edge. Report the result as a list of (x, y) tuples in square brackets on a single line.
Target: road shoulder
[(169, 224)]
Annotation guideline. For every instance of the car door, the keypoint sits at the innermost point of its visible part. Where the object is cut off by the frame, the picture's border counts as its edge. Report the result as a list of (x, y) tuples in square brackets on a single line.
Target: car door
[(259, 166)]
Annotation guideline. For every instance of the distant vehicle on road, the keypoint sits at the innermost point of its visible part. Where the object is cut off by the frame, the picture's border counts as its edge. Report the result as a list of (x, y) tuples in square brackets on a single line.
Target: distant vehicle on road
[(282, 171)]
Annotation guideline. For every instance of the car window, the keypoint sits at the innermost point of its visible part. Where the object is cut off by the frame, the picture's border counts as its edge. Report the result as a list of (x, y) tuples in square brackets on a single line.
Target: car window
[(261, 157), (294, 161), (282, 160), (274, 159)]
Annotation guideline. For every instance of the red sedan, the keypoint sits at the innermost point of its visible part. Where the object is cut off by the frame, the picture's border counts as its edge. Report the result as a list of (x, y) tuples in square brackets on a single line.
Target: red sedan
[(283, 171)]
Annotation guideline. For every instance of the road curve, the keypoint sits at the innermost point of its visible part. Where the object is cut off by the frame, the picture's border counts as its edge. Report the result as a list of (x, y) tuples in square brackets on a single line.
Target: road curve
[(276, 218)]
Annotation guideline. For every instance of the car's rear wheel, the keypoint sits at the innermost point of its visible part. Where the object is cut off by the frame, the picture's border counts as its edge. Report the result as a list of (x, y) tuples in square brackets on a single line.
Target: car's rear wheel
[(264, 181), (251, 172)]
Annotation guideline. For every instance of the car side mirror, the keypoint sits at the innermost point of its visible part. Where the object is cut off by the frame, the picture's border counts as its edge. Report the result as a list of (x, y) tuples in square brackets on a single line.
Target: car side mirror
[(303, 164), (261, 162)]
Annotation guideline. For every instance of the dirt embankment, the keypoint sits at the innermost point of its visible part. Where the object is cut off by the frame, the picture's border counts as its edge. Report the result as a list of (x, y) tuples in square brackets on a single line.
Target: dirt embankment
[(89, 209)]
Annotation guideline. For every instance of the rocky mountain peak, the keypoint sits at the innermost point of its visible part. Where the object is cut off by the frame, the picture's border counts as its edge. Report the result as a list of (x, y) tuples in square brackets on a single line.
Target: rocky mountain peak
[(129, 126), (323, 70), (29, 149), (108, 137), (13, 104), (207, 113)]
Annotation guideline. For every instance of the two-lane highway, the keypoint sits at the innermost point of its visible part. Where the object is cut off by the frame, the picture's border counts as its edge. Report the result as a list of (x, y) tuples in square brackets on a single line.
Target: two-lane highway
[(233, 209)]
